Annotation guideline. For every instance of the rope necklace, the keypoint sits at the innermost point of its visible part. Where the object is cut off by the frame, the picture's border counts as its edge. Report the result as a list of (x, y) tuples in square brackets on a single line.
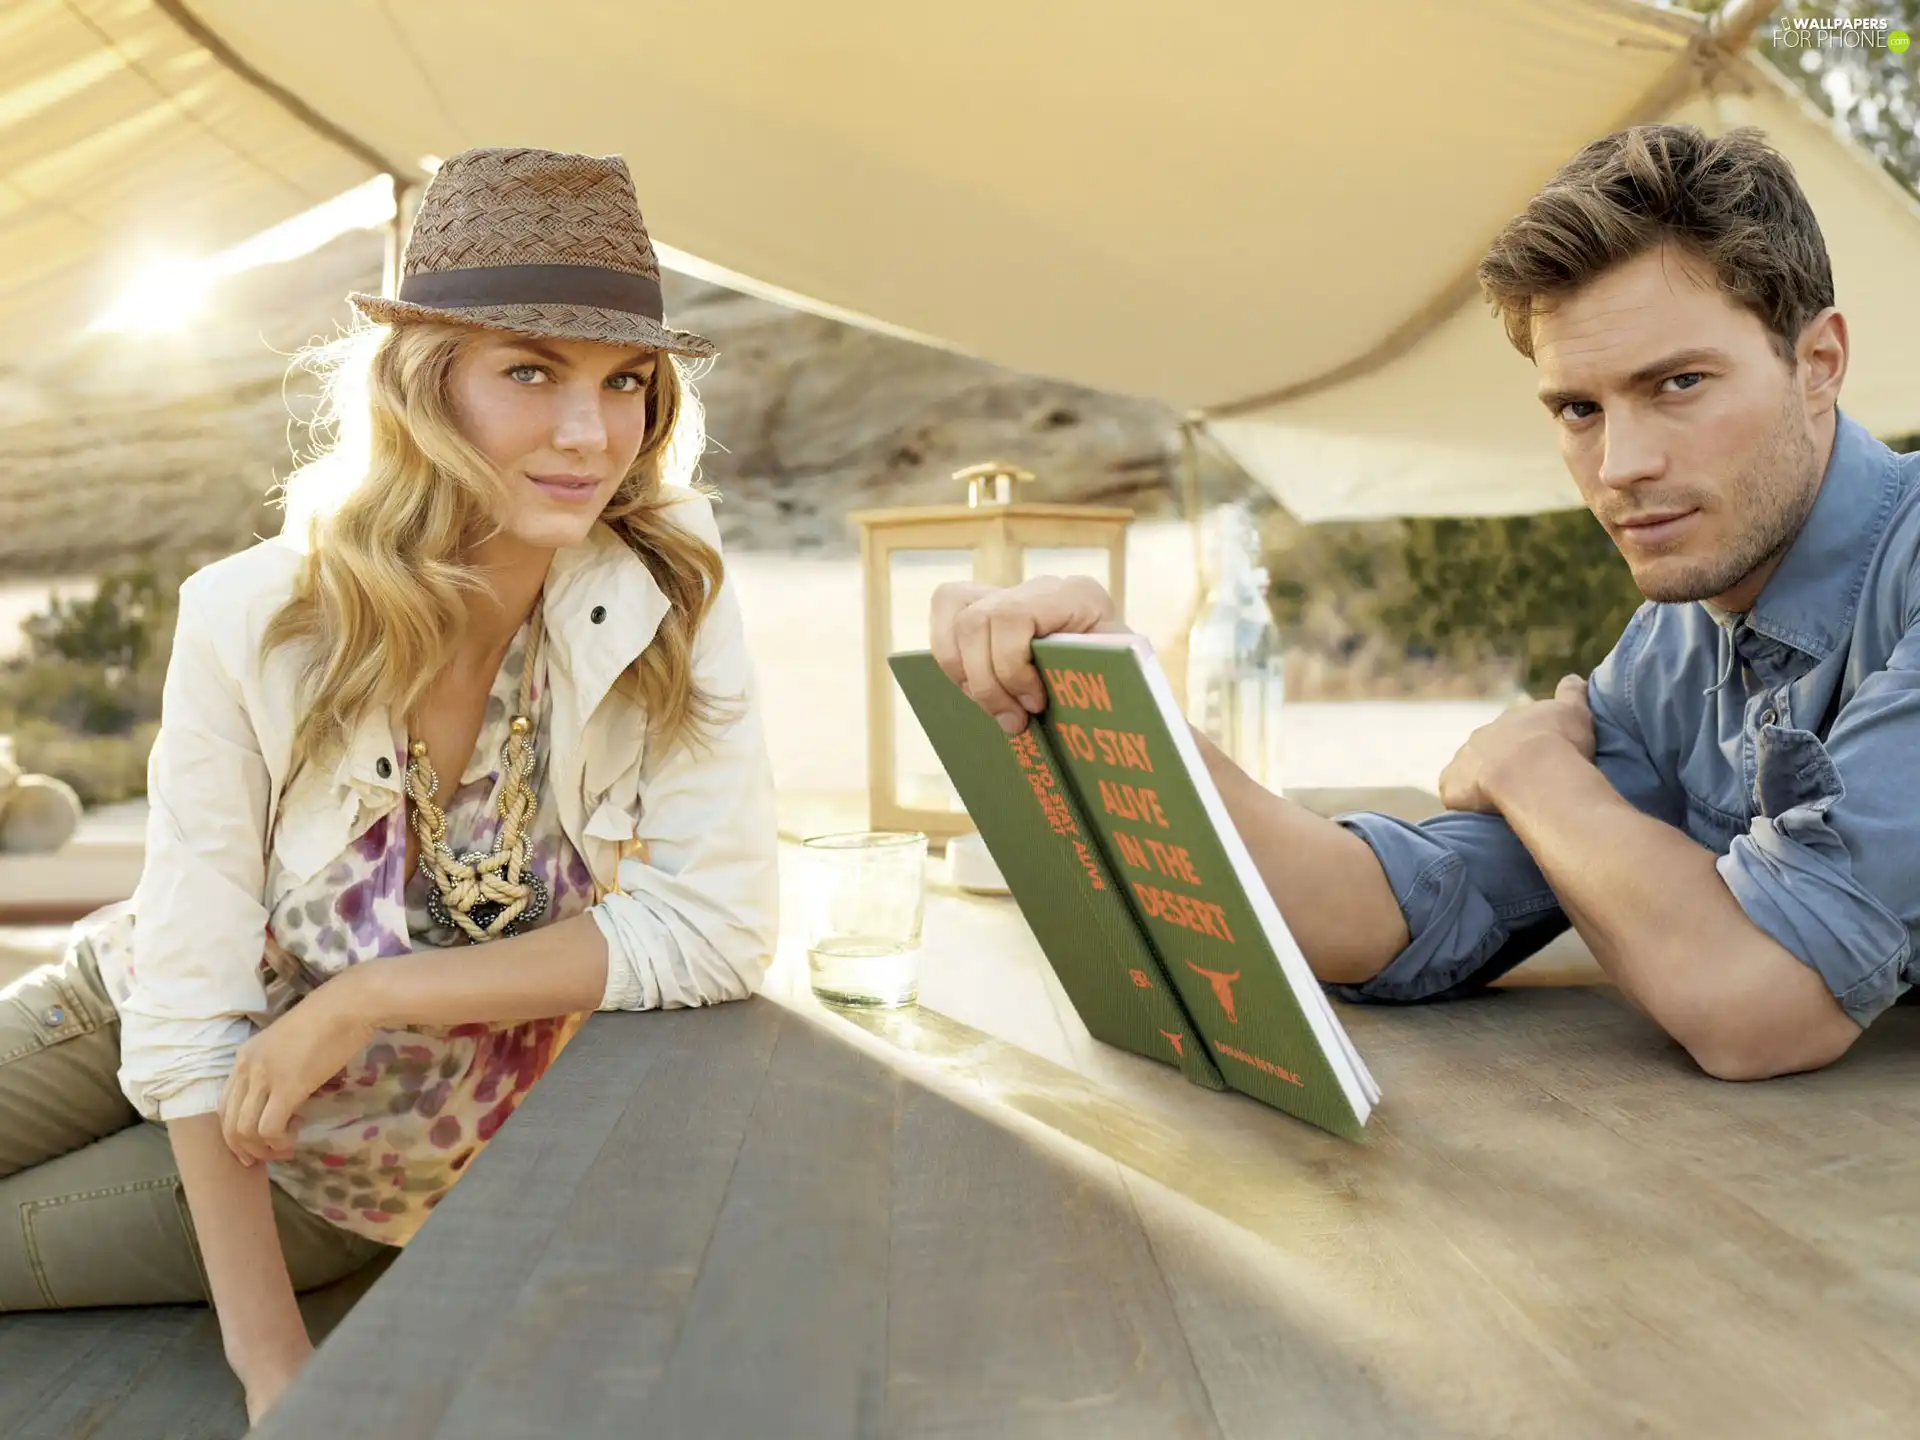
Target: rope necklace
[(485, 894)]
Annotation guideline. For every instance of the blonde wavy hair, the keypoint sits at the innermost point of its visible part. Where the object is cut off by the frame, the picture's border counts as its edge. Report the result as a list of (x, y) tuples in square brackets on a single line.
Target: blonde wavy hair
[(396, 500)]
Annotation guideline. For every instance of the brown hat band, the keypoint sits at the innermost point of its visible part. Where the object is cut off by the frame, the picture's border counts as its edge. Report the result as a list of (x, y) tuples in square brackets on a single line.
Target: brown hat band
[(589, 285)]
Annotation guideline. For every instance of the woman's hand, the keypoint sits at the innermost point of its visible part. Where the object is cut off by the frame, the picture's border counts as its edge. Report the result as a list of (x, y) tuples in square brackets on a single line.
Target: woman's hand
[(278, 1069)]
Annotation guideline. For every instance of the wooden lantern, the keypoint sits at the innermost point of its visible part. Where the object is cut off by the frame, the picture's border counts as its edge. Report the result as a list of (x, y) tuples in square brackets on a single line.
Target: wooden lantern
[(906, 554)]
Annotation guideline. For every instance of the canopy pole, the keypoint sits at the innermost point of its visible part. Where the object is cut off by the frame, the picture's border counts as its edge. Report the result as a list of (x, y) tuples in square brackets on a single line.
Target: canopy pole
[(1734, 23), (406, 204), (1190, 491)]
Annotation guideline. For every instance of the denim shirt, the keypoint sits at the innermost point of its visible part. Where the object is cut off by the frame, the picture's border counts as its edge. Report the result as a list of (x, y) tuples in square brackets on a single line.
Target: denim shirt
[(1786, 740)]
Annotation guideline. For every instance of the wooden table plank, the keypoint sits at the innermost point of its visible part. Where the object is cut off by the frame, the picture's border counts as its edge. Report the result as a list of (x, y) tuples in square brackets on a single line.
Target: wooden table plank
[(60, 1372), (741, 1294), (1634, 1289), (1492, 1252), (1278, 1353), (785, 1329), (1226, 1191), (1024, 1298), (722, 1258), (183, 1391), (410, 1347), (646, 1212), (155, 1373)]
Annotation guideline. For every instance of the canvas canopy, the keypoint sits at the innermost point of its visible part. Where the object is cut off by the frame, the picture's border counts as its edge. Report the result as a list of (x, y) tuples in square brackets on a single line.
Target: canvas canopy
[(1266, 213)]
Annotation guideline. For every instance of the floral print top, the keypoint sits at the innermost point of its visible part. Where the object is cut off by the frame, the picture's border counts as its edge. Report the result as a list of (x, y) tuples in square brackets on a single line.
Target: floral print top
[(385, 1139), (382, 1142)]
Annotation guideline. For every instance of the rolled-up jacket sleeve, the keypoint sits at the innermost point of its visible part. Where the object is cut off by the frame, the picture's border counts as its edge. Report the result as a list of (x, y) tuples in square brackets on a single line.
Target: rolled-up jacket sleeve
[(1830, 867), (195, 992), (1475, 903), (696, 914)]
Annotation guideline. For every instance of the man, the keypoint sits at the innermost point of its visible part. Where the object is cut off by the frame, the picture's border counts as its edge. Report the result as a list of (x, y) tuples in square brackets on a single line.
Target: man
[(1726, 810)]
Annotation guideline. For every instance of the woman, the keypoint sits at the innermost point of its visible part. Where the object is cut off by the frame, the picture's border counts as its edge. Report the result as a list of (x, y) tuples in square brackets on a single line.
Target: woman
[(487, 688)]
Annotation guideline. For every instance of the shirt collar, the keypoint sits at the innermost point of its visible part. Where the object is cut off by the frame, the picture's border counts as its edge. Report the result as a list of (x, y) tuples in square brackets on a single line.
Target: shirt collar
[(1809, 601), (603, 570), (602, 608)]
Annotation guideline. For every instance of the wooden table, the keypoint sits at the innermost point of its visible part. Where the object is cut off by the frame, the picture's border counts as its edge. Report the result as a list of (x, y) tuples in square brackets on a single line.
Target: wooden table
[(155, 1373), (767, 1219)]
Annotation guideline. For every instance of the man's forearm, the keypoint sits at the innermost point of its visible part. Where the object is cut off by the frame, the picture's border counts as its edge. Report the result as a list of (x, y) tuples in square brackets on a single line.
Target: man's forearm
[(1662, 924), (232, 1207), (1326, 881)]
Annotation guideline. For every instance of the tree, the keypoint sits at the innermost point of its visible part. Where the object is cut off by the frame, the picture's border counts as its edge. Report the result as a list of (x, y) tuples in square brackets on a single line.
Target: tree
[(114, 628), (95, 666), (1873, 92), (1549, 593)]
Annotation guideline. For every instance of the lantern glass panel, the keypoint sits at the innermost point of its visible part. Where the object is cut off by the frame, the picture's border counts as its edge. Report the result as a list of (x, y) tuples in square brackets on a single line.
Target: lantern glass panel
[(1064, 560), (920, 782)]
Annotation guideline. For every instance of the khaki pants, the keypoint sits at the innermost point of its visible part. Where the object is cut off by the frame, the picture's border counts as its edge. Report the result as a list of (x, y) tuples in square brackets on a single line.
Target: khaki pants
[(92, 1211)]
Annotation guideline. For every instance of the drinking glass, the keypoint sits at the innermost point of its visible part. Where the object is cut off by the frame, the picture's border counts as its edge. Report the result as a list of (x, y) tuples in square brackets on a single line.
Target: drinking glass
[(865, 896)]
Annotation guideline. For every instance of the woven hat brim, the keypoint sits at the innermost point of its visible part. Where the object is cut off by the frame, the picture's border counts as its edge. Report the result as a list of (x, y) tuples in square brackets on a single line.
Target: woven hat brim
[(544, 322)]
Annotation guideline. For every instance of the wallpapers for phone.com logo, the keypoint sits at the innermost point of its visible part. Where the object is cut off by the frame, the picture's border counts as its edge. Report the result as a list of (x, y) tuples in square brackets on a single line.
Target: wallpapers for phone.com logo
[(1805, 32)]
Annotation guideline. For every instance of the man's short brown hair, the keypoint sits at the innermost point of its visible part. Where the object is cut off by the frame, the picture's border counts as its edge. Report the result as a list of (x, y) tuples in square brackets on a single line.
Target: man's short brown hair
[(1731, 202)]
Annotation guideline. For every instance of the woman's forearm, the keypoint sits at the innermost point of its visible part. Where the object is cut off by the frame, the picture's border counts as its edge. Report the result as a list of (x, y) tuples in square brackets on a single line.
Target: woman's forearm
[(557, 969), (232, 1205)]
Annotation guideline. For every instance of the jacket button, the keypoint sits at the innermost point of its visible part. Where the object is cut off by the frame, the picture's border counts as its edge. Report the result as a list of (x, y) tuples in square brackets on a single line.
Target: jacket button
[(385, 767), (1767, 717), (599, 614)]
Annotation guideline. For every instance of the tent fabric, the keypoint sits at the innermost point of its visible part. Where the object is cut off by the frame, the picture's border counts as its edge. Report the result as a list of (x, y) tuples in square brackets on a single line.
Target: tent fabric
[(124, 141), (1453, 428), (1195, 202)]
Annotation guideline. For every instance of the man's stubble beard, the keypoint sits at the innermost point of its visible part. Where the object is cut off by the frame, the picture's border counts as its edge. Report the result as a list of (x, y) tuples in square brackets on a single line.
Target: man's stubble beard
[(1775, 499)]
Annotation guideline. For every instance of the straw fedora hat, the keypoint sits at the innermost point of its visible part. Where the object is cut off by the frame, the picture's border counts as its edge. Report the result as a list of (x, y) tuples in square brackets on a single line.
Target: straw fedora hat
[(536, 242)]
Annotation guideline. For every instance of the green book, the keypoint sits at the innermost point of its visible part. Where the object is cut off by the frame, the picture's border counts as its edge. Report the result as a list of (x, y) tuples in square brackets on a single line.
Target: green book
[(1121, 855)]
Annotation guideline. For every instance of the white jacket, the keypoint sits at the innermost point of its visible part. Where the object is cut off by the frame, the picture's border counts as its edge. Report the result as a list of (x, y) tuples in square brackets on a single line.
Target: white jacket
[(682, 845)]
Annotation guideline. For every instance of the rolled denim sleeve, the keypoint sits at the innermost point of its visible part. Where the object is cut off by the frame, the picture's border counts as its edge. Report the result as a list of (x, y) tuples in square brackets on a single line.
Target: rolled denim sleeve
[(1475, 903), (1830, 867)]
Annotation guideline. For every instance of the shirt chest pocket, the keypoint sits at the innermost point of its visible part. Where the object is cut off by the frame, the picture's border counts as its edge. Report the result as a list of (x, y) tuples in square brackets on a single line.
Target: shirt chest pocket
[(315, 826), (1793, 772)]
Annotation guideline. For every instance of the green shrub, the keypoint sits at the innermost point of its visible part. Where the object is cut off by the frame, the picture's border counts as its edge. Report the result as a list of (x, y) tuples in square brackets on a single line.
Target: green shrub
[(127, 619), (1550, 593), (83, 701), (102, 769), (1517, 600)]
